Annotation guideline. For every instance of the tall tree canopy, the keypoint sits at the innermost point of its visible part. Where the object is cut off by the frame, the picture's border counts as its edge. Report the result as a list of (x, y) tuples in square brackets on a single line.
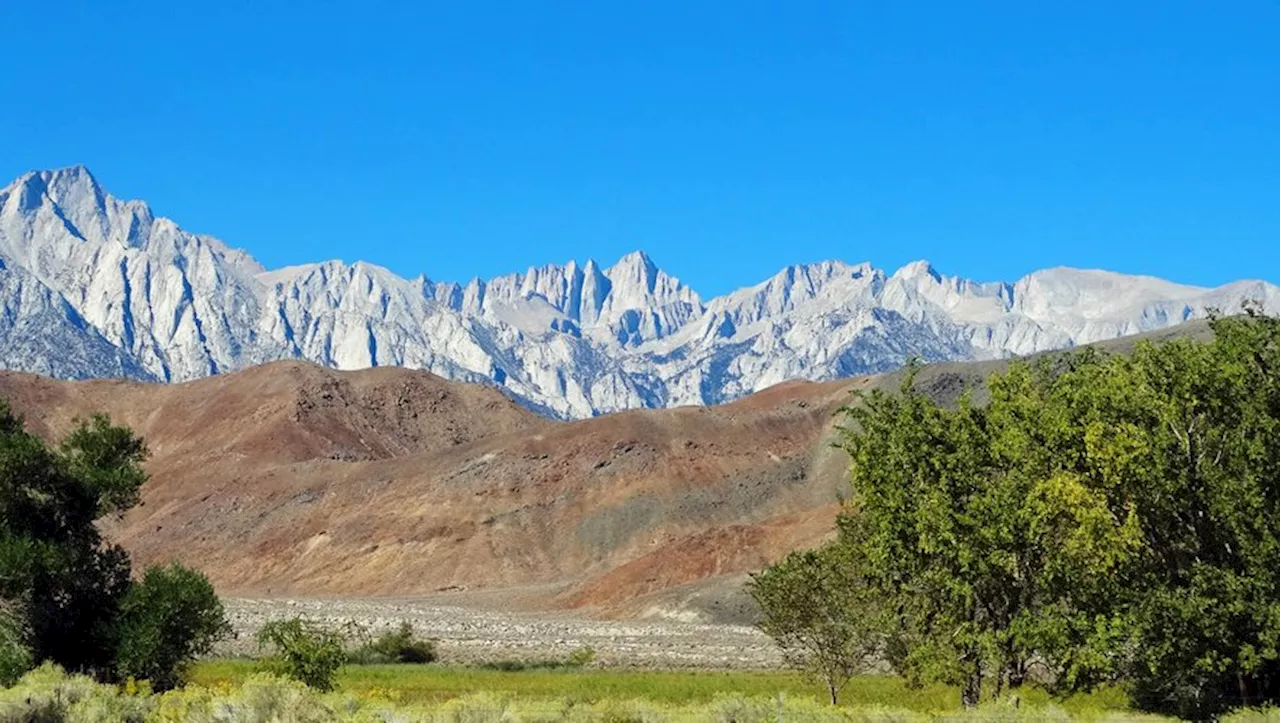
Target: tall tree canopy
[(54, 564), (63, 589), (1102, 517)]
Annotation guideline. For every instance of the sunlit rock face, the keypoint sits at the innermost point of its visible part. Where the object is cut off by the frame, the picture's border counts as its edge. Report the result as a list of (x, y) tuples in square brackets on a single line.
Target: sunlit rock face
[(92, 286)]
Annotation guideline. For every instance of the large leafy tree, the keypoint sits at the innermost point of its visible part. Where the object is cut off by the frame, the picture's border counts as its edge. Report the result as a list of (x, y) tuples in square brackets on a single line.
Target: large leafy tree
[(53, 561), (1102, 517), (66, 591), (957, 535), (1198, 455)]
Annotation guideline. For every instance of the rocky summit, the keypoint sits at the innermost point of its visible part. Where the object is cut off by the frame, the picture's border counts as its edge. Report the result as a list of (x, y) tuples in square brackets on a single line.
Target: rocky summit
[(93, 286)]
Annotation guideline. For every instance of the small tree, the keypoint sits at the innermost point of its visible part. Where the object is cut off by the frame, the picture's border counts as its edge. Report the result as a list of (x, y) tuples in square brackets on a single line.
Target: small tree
[(815, 607), (305, 651), (167, 619)]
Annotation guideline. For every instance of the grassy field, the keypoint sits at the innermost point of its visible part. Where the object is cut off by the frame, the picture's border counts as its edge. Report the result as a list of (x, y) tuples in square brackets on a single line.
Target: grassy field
[(431, 684)]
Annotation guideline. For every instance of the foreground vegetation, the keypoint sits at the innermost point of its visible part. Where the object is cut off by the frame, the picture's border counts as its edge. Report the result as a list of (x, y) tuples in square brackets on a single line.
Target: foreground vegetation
[(231, 692), (1103, 519)]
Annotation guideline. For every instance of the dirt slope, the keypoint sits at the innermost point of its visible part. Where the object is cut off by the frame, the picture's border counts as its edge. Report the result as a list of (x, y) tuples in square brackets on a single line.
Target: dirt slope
[(291, 479)]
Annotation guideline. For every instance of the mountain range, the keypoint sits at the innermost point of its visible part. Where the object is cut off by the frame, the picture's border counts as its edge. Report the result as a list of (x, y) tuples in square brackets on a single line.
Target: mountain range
[(93, 286)]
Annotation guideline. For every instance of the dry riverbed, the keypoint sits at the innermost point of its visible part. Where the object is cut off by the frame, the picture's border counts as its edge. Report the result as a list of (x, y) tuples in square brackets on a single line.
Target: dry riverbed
[(468, 635)]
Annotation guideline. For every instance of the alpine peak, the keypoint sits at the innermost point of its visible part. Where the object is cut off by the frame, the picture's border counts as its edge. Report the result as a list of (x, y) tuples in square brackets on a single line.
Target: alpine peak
[(96, 286)]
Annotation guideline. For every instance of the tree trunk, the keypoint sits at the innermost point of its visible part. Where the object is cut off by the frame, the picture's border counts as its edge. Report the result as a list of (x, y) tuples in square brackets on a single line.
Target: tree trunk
[(1242, 687), (972, 693), (834, 690), (1017, 675)]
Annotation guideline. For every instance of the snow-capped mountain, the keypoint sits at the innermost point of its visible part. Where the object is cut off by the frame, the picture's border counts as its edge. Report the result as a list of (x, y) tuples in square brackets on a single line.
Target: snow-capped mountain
[(93, 286)]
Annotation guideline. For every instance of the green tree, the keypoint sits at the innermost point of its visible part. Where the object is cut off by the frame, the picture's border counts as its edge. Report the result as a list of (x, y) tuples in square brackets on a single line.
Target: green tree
[(68, 590), (1102, 517), (943, 533), (53, 561), (1201, 464), (304, 650), (815, 607), (167, 619)]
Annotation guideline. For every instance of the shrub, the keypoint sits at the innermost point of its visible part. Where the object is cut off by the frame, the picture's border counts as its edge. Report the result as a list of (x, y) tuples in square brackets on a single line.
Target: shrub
[(738, 709), (581, 657), (305, 651), (266, 698), (478, 708), (397, 646), (168, 619), (515, 666), (1254, 715), (1003, 713), (49, 695)]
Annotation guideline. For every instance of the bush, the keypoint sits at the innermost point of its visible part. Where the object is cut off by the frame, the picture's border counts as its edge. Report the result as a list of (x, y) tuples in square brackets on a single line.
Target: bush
[(49, 695), (1254, 715), (168, 619), (305, 651), (398, 646), (265, 698), (477, 708), (582, 657), (15, 659)]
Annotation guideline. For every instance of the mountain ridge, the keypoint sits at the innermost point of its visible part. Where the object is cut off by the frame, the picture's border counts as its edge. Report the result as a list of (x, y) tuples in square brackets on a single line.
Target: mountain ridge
[(129, 293), (397, 482)]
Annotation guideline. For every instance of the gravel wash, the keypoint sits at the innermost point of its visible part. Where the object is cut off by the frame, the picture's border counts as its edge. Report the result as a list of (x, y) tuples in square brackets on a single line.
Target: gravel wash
[(472, 636)]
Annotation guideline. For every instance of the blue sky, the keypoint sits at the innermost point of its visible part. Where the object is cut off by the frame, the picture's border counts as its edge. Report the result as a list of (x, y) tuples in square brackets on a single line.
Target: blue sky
[(727, 139)]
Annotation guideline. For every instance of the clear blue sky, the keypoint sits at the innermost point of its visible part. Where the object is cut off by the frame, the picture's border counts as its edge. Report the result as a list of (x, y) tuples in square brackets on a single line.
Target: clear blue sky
[(727, 139)]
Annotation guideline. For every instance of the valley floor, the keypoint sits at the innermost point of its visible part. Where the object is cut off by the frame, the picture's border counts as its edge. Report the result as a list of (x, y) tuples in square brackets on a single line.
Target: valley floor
[(475, 633)]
